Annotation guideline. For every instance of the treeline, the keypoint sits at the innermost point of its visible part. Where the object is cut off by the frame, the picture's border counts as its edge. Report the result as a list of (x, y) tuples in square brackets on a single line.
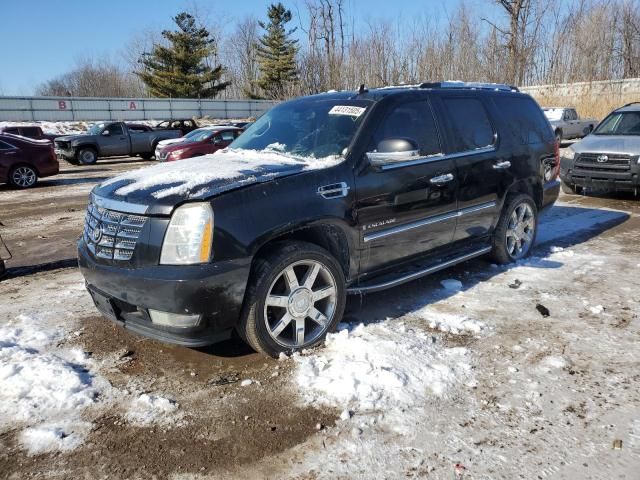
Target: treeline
[(321, 45)]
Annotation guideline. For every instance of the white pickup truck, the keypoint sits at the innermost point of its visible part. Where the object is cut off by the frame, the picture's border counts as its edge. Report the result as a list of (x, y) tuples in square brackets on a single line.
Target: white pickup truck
[(567, 124)]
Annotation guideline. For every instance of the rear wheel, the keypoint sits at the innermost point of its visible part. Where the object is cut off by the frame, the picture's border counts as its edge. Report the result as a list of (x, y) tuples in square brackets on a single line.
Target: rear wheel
[(146, 155), (87, 156), (295, 297), (516, 231), (23, 176)]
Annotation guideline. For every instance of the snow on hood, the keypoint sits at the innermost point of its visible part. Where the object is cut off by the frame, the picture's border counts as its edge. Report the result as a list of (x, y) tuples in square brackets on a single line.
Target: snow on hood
[(202, 176), (169, 141)]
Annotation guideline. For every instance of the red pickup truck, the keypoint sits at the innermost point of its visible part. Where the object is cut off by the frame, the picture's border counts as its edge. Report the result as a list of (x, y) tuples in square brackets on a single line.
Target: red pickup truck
[(29, 131)]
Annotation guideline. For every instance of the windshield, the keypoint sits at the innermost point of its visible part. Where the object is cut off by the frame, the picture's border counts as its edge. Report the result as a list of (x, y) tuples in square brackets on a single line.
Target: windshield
[(553, 114), (311, 128), (621, 123), (199, 135), (96, 129)]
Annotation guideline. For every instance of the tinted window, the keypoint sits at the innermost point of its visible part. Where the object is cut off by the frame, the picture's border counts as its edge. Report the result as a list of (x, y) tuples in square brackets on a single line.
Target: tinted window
[(413, 120), (470, 123), (136, 129), (523, 118), (12, 130), (620, 123), (115, 129), (228, 136), (30, 131)]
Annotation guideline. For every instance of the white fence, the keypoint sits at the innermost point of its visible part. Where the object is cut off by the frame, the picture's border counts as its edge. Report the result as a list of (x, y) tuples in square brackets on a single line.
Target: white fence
[(89, 108)]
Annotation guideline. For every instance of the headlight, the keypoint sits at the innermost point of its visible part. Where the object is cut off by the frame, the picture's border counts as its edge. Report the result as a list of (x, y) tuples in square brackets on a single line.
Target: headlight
[(177, 153), (569, 154), (189, 236)]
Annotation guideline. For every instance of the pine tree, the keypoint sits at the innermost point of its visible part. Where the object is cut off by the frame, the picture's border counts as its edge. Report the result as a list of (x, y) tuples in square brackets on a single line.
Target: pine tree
[(181, 69), (277, 53)]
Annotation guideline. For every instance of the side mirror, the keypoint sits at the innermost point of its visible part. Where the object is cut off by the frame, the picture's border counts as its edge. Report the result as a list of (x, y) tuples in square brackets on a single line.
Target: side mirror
[(393, 150), (106, 133)]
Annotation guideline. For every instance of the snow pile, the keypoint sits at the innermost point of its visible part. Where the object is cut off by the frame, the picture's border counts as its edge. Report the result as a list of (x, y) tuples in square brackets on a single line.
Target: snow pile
[(451, 284), (451, 323), (236, 167), (40, 385), (379, 366), (147, 409)]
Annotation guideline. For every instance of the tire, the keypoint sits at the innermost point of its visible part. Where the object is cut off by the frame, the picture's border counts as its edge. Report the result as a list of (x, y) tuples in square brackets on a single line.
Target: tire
[(87, 156), (146, 156), (514, 228), (272, 327), (23, 176), (568, 187)]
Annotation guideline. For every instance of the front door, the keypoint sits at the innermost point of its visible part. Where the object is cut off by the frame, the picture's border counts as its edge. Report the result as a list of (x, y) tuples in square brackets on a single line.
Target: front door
[(472, 141), (405, 208), (115, 143)]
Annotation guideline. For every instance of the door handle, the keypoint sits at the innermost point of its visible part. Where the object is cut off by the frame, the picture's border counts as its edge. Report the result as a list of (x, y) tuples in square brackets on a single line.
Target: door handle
[(440, 179), (502, 165)]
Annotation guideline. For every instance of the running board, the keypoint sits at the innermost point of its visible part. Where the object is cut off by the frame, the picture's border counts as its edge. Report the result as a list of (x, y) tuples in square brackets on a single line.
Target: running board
[(417, 274)]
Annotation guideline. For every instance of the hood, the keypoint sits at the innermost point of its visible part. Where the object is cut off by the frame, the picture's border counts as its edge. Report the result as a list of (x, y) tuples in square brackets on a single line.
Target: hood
[(618, 144), (70, 138), (164, 143), (160, 187)]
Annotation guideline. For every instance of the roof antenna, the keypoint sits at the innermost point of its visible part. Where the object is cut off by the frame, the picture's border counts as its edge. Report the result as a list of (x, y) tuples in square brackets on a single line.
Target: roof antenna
[(362, 89)]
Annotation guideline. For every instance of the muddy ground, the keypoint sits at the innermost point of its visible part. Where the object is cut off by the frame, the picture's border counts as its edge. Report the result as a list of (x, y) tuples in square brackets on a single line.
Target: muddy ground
[(262, 431)]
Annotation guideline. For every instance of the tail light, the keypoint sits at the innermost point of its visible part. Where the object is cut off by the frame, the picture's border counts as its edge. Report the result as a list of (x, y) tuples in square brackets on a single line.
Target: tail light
[(552, 165)]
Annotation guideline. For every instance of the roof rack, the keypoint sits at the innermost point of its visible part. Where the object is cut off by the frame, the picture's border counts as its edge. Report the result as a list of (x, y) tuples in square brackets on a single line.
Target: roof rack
[(470, 85)]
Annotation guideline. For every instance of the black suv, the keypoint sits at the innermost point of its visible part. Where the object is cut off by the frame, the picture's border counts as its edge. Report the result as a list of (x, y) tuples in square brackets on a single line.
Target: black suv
[(328, 195)]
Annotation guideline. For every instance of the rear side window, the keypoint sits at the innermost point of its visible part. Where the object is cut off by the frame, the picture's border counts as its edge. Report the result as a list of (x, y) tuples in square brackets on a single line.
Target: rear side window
[(31, 131), (12, 130), (413, 120), (524, 119), (470, 124)]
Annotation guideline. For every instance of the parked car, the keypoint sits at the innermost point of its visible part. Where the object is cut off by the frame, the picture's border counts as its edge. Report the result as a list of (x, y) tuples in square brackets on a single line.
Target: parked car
[(192, 133), (29, 131), (207, 141), (23, 160), (567, 124), (609, 159), (184, 125), (109, 139), (323, 196)]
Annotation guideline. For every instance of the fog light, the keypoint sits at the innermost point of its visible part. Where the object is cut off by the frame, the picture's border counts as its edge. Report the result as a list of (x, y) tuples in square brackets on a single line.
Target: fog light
[(176, 320)]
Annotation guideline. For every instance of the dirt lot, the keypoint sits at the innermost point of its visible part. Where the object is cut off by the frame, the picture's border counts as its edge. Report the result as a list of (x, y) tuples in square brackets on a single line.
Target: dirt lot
[(513, 393)]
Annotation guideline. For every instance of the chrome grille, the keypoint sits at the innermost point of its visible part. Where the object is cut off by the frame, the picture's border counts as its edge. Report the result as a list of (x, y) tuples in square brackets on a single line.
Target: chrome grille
[(111, 235), (614, 162)]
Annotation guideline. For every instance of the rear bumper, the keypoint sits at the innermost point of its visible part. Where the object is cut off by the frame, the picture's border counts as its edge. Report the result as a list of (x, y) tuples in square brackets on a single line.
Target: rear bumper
[(550, 193), (125, 295)]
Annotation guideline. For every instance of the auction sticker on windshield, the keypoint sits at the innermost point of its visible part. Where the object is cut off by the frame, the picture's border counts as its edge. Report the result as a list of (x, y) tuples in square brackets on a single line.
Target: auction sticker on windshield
[(347, 110)]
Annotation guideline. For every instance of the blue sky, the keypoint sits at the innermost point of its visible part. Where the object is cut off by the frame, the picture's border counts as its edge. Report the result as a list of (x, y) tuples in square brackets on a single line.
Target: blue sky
[(43, 38)]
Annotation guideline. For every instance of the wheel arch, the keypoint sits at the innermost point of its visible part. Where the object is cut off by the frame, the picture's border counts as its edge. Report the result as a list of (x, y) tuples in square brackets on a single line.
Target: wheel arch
[(21, 163), (528, 187), (327, 235)]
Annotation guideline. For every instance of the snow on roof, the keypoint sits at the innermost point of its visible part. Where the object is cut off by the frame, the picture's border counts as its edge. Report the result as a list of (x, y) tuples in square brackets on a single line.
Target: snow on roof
[(190, 177)]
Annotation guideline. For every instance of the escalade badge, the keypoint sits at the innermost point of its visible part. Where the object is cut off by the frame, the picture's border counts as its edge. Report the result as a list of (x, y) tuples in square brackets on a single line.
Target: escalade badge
[(97, 234), (602, 158)]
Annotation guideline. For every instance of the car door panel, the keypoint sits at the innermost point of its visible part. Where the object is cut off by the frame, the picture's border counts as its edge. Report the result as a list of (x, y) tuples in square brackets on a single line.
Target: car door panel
[(116, 143), (408, 208)]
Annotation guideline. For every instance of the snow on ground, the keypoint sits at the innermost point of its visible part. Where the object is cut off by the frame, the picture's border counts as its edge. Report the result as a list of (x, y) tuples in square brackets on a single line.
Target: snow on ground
[(51, 393)]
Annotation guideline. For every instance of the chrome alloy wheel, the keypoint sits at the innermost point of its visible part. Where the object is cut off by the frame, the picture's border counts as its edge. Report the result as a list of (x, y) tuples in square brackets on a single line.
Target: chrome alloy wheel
[(520, 231), (298, 312), (24, 177)]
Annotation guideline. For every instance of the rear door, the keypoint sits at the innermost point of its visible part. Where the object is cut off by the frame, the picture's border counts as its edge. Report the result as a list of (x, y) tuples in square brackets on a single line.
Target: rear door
[(116, 142), (472, 141), (9, 156), (405, 208)]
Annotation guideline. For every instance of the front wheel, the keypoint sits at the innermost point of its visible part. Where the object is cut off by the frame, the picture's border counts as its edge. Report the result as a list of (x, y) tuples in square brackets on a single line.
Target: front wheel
[(146, 156), (23, 176), (87, 156), (516, 231), (296, 295)]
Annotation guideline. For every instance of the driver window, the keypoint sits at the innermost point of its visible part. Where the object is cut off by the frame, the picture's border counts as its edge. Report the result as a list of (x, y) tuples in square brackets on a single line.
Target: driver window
[(228, 136), (413, 120), (115, 129)]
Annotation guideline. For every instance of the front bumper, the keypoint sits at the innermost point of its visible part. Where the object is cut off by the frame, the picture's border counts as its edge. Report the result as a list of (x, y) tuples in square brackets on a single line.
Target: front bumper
[(65, 154), (610, 181), (124, 295)]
